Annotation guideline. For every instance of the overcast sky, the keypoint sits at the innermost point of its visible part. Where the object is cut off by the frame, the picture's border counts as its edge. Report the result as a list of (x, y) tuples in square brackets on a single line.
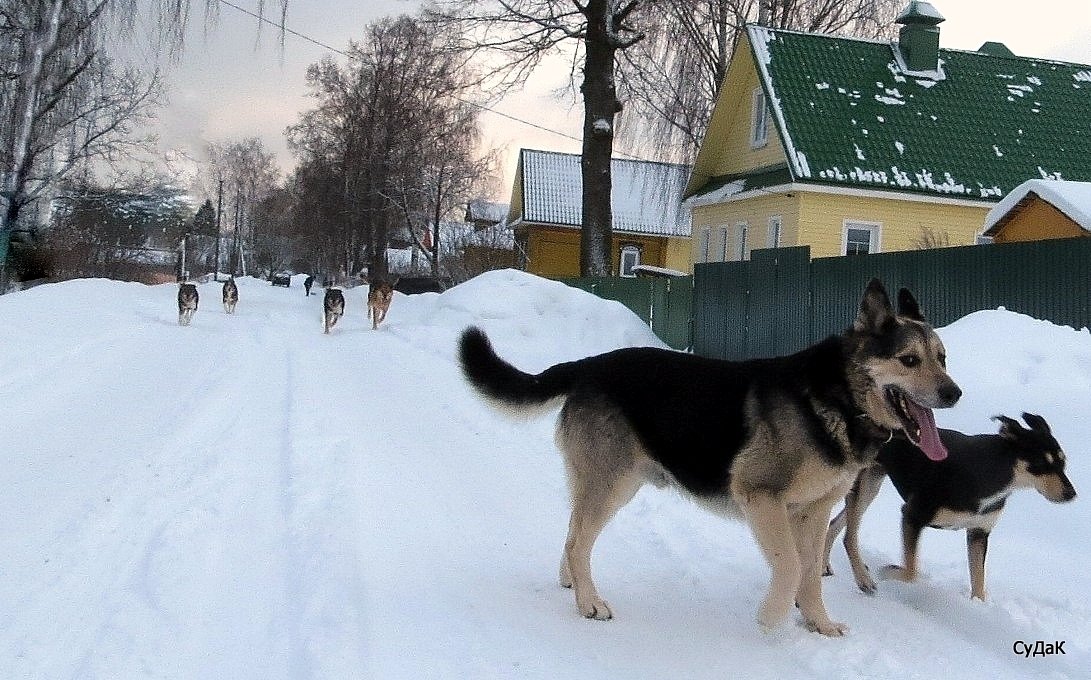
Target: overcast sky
[(232, 82)]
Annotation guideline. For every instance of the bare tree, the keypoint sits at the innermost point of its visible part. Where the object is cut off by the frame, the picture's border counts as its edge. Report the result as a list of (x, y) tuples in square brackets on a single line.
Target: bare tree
[(250, 174), (63, 103), (931, 237), (674, 77), (275, 243), (444, 176), (392, 130), (522, 32)]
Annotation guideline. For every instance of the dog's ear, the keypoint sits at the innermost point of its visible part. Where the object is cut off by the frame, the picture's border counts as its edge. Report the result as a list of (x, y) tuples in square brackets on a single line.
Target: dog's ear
[(1010, 428), (876, 313), (908, 307), (1037, 423)]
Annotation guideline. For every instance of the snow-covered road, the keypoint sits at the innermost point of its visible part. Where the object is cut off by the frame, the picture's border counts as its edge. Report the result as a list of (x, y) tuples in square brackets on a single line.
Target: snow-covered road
[(249, 498)]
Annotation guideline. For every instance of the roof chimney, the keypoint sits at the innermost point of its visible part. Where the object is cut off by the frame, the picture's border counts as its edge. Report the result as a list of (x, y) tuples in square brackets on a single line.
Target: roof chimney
[(918, 38)]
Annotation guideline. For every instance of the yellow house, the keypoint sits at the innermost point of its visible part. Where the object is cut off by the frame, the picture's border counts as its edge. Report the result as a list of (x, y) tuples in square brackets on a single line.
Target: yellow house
[(651, 227), (859, 146), (1041, 209)]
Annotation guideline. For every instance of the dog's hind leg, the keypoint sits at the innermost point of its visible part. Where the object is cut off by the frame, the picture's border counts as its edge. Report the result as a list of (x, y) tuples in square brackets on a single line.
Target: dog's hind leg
[(977, 543), (593, 505), (809, 528), (837, 525), (599, 452)]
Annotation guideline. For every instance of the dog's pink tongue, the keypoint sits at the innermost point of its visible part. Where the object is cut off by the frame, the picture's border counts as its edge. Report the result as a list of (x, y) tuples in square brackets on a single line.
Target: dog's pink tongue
[(930, 442)]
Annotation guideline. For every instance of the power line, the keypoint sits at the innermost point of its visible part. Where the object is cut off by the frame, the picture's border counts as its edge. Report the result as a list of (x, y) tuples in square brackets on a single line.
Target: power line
[(483, 107)]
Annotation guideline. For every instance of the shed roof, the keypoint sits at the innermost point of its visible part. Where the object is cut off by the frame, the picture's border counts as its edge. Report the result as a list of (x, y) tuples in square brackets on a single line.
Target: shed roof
[(646, 195), (480, 210), (850, 115), (1071, 198)]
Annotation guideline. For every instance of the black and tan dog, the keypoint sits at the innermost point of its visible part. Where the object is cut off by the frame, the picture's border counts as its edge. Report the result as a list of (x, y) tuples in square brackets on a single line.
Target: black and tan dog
[(967, 490), (187, 303), (333, 308), (776, 442), (379, 296), (231, 295)]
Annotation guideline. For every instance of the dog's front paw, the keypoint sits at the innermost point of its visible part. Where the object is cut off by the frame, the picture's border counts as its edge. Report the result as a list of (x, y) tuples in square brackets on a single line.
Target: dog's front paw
[(827, 628), (596, 609), (772, 613)]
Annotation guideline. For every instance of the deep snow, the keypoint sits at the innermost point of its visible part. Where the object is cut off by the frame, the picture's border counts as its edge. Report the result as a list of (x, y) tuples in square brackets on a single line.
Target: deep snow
[(249, 498)]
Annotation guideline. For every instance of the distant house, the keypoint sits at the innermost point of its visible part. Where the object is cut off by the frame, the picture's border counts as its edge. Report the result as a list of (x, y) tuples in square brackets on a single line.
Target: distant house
[(1041, 209), (484, 214), (650, 224), (860, 146)]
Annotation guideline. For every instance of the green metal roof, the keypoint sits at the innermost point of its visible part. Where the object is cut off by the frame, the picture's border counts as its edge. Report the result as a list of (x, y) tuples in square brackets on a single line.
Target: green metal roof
[(981, 125), (721, 187)]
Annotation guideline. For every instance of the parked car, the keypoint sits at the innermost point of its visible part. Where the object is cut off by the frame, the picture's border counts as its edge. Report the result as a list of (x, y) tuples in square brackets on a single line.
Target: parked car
[(281, 279)]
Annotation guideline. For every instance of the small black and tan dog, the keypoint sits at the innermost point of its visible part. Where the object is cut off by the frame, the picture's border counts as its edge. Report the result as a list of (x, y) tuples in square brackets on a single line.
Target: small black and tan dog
[(967, 490), (333, 306), (187, 303), (231, 295)]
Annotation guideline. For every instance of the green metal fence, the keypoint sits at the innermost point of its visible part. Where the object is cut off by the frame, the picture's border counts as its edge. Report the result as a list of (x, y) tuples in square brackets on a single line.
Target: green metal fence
[(781, 300), (665, 304)]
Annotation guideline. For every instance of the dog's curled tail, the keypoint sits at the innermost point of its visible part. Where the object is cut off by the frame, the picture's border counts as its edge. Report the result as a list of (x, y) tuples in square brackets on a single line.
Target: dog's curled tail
[(505, 385)]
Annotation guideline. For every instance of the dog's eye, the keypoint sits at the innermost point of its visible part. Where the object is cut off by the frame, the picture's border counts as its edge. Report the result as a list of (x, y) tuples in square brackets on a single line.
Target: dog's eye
[(909, 360)]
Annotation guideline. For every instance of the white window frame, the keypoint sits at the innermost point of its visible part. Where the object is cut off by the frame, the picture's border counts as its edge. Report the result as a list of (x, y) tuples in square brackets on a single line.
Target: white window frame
[(725, 253), (775, 232), (628, 250), (874, 228), (759, 120), (706, 243), (741, 231)]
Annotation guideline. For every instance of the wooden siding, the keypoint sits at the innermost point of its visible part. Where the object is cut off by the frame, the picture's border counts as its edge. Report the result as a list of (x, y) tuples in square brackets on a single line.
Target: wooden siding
[(554, 252), (1036, 221), (677, 254), (755, 212), (725, 149), (902, 223), (818, 220)]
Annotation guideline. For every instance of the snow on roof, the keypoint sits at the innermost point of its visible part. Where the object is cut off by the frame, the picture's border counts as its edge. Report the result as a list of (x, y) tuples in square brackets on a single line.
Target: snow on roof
[(486, 211), (646, 195), (657, 271), (849, 113), (1071, 198)]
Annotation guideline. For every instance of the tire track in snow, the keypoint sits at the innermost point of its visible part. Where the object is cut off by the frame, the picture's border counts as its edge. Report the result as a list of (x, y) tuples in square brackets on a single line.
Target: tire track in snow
[(298, 662)]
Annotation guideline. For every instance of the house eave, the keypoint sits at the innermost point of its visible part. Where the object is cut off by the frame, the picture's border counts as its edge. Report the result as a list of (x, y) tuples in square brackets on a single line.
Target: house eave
[(804, 187)]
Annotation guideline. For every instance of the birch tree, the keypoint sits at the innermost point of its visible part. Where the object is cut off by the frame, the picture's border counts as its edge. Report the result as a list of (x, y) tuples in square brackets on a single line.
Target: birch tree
[(63, 102)]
